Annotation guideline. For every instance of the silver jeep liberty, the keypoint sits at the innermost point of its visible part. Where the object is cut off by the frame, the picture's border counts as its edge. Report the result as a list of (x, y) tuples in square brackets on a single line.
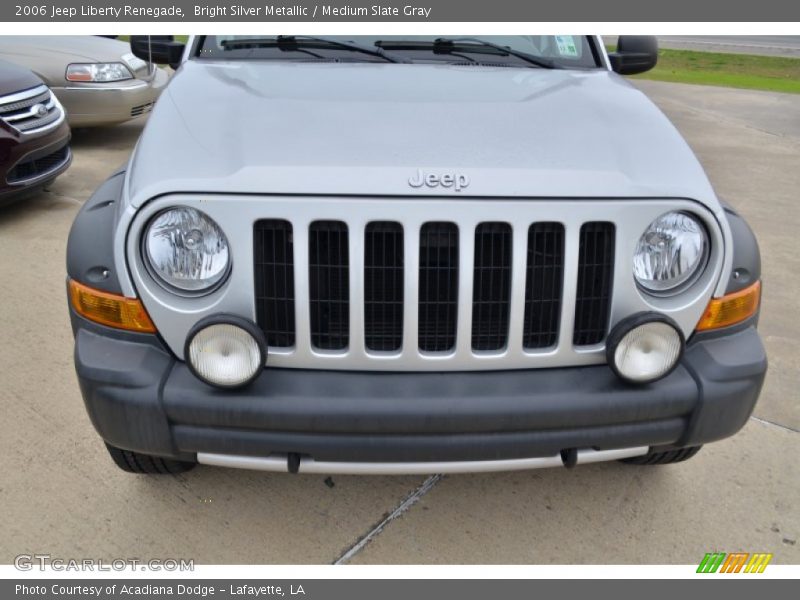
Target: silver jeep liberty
[(410, 254)]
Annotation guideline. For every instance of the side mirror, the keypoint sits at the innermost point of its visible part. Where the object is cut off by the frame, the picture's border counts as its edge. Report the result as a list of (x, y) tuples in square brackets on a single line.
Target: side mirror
[(159, 49), (635, 54)]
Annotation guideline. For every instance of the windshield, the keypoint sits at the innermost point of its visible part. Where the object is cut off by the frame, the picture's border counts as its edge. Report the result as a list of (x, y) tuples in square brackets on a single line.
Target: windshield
[(553, 51)]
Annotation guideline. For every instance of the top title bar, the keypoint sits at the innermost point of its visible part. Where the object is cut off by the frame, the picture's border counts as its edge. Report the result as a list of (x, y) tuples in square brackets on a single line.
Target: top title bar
[(463, 11)]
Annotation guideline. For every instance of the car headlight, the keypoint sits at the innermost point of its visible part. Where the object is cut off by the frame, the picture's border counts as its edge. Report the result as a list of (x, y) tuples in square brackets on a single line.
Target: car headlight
[(672, 251), (98, 72), (186, 250)]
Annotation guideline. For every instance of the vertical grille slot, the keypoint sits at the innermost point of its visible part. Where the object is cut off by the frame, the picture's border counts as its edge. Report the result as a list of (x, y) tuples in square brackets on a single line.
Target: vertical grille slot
[(595, 272), (274, 280), (383, 286), (543, 285), (491, 286), (438, 286), (328, 281)]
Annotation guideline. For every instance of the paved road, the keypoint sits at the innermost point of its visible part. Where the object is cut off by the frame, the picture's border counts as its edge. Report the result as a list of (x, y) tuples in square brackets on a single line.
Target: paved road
[(770, 45), (61, 495)]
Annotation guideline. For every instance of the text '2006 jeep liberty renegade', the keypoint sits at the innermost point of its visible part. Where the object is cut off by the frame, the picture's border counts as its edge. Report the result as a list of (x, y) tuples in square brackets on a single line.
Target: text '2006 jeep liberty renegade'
[(410, 254)]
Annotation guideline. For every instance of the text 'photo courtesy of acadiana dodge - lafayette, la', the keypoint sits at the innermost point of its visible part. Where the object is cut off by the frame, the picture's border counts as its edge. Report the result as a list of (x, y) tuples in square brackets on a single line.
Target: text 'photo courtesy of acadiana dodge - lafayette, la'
[(148, 589), (214, 11)]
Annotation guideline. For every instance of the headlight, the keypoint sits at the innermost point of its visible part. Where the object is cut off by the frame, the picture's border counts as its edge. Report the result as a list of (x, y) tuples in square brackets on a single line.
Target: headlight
[(672, 250), (186, 250), (98, 72)]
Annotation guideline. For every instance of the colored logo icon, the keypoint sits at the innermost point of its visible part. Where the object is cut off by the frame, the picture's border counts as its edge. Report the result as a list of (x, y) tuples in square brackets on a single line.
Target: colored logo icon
[(736, 562)]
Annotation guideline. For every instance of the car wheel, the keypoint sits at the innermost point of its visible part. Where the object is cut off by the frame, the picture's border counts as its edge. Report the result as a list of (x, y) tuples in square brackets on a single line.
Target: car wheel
[(136, 462), (664, 458)]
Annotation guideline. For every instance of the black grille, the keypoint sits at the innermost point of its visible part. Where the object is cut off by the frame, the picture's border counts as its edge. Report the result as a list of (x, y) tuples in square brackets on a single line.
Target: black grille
[(438, 286), (595, 272), (491, 286), (35, 123), (329, 286), (543, 285), (383, 286), (30, 169), (141, 109), (273, 254)]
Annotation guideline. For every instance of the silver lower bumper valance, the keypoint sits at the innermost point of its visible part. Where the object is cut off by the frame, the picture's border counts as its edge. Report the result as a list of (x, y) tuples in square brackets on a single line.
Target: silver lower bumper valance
[(283, 463)]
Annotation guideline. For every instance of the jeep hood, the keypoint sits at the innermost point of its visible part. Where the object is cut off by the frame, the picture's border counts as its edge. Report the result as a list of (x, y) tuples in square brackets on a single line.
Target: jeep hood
[(366, 128)]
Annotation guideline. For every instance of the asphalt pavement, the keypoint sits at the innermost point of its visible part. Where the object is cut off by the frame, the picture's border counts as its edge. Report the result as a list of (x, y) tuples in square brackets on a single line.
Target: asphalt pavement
[(768, 45), (61, 494)]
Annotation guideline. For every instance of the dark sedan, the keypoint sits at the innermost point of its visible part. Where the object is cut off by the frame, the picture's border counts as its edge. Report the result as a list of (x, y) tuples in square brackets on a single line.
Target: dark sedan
[(34, 134)]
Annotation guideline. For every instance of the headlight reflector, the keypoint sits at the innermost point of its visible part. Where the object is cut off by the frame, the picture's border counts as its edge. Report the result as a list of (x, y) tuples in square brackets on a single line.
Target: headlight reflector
[(98, 72), (644, 347), (226, 351), (672, 250), (186, 250)]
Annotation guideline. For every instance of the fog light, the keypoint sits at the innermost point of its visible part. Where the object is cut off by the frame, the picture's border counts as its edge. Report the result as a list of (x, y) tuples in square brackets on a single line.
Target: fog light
[(644, 347), (226, 351)]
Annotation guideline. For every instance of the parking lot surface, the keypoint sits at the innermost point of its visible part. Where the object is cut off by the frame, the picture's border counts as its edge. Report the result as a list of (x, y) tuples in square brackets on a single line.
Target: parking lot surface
[(61, 494)]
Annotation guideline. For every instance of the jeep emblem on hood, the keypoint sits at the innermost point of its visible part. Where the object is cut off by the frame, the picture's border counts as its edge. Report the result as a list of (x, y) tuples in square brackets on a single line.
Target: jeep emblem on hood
[(455, 180)]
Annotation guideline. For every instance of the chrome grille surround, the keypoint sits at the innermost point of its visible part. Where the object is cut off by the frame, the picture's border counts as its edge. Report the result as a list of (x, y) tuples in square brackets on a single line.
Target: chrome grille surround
[(174, 316), (19, 111)]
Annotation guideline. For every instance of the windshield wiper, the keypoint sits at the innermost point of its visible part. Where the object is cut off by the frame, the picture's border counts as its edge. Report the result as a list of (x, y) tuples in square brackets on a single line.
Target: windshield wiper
[(464, 44), (302, 42)]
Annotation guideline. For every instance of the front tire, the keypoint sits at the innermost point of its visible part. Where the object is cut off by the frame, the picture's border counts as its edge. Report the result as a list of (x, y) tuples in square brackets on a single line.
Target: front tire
[(136, 462), (664, 458)]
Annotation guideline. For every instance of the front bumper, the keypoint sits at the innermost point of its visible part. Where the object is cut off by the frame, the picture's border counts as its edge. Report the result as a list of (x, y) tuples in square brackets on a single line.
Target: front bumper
[(15, 150), (141, 398)]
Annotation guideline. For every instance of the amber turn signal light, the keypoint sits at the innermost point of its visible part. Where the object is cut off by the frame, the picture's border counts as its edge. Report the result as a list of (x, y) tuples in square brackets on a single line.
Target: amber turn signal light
[(109, 309), (731, 309)]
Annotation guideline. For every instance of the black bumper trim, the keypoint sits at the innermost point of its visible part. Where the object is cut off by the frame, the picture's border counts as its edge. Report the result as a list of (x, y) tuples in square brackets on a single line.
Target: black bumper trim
[(425, 448), (436, 403), (140, 398)]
